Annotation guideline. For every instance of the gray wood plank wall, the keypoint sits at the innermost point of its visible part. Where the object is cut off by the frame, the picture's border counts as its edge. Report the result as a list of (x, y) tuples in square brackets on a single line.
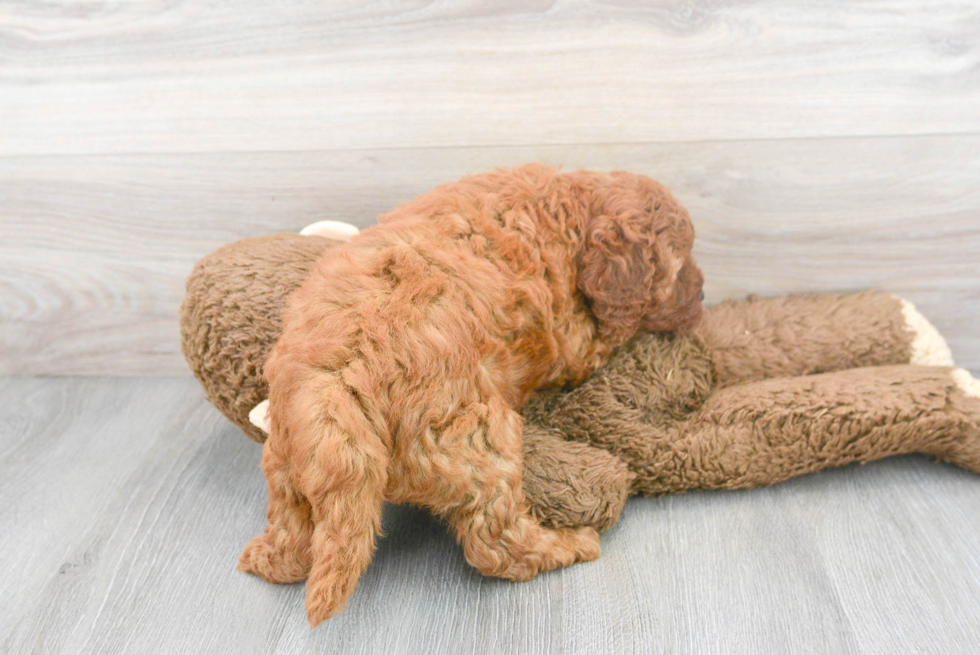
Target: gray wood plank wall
[(819, 146)]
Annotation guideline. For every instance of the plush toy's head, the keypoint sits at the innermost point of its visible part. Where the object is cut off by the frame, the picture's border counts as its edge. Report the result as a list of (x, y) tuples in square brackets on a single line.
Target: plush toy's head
[(230, 318)]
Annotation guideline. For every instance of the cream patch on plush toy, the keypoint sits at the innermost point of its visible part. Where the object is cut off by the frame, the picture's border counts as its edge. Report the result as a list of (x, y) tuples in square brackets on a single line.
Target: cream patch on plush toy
[(332, 230), (338, 230), (928, 346), (966, 382), (259, 416)]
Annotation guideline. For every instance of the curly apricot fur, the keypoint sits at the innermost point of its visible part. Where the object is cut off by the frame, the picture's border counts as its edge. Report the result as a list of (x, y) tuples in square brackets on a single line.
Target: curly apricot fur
[(406, 355)]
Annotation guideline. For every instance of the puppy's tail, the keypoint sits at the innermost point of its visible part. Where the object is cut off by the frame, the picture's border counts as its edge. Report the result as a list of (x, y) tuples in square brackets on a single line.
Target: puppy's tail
[(344, 458)]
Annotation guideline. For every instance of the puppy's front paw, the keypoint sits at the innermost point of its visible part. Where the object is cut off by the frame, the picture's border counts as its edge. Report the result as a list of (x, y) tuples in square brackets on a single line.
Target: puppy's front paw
[(572, 545), (586, 545), (272, 563)]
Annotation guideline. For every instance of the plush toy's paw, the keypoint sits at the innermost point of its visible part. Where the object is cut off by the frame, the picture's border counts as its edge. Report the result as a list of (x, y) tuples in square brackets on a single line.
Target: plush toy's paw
[(263, 558), (331, 230), (928, 346)]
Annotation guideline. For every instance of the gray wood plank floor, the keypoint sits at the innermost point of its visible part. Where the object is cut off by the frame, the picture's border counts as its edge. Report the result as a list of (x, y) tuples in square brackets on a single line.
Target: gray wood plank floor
[(127, 501)]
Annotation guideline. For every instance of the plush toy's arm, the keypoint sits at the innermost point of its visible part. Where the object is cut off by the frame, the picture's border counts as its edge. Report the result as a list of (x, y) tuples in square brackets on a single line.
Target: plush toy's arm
[(656, 407), (760, 433), (762, 338)]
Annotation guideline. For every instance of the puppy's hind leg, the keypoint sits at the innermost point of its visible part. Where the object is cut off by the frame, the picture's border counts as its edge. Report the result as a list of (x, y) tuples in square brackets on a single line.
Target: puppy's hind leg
[(490, 515), (281, 553)]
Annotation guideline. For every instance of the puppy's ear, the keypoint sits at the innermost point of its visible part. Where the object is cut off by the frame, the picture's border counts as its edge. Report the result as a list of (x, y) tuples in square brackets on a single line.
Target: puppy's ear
[(618, 271)]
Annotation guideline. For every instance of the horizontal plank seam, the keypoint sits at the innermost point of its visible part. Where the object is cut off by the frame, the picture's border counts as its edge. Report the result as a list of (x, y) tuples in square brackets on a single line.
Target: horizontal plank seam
[(488, 146)]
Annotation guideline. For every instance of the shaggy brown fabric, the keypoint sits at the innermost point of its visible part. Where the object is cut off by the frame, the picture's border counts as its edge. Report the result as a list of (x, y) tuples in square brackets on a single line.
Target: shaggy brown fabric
[(757, 433), (761, 338), (230, 319), (660, 399), (650, 384), (570, 483), (407, 352), (231, 316)]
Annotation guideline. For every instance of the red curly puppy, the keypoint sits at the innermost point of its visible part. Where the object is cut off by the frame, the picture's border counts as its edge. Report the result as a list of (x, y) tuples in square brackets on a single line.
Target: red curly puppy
[(405, 357)]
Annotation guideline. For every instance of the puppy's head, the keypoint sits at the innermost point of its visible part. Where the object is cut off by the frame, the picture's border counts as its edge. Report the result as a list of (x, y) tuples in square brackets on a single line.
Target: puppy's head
[(635, 265)]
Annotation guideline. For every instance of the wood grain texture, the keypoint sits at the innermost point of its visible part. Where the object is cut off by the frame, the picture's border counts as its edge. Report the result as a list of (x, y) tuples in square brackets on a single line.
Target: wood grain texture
[(125, 503), (95, 249), (197, 76), (819, 146)]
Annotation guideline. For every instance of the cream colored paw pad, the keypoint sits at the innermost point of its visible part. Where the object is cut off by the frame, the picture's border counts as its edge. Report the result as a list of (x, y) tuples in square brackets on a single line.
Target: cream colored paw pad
[(928, 346)]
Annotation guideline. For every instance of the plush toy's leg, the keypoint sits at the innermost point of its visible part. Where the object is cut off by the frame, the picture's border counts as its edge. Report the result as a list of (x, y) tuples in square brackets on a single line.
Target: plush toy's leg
[(761, 433), (762, 338), (480, 493)]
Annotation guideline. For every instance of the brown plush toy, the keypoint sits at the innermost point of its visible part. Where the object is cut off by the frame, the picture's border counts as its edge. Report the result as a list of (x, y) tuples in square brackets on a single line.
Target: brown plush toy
[(764, 390)]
